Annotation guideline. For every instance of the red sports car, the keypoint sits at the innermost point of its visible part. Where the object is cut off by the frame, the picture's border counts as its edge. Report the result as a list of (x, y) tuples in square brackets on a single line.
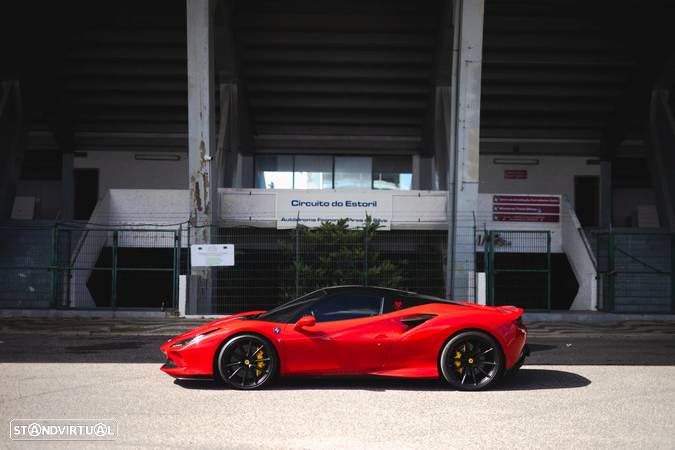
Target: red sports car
[(355, 330)]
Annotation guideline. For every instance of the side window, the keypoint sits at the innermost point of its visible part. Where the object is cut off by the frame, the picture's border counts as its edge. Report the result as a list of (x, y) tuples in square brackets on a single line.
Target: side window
[(396, 303), (287, 313), (345, 307)]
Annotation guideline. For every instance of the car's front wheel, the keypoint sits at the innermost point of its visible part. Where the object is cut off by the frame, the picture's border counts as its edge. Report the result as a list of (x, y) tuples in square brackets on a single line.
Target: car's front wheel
[(247, 361), (471, 360)]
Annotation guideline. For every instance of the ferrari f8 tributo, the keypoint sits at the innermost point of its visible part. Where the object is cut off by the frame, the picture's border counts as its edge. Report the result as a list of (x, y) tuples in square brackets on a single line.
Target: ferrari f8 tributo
[(355, 330)]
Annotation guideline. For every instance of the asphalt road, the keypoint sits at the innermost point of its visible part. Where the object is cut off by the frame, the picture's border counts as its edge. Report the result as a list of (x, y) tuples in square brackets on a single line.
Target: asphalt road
[(613, 392)]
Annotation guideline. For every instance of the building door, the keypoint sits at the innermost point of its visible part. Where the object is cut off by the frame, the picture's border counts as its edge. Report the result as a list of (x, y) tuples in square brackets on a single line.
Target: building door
[(587, 200), (86, 192)]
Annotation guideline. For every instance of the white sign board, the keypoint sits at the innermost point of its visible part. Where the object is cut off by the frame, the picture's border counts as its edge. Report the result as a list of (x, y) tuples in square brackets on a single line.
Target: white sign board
[(312, 208), (211, 255), (24, 208)]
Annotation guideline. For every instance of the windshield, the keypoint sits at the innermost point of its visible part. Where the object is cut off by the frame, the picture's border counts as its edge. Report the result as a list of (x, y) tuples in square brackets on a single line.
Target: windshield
[(287, 311)]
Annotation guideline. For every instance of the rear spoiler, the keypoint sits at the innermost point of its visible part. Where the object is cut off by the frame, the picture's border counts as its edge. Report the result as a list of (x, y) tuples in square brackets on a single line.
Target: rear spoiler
[(512, 310)]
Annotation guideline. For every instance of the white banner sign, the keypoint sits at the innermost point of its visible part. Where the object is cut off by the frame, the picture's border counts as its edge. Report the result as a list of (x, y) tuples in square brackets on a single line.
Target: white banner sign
[(211, 255), (311, 208)]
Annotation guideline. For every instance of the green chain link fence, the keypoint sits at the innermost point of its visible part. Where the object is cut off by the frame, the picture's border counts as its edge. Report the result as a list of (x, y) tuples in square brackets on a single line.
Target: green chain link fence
[(636, 271), (67, 266), (85, 267), (273, 266), (518, 268)]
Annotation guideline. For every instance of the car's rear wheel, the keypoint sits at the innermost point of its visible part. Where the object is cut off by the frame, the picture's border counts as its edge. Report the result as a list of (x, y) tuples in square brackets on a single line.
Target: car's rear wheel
[(471, 360), (247, 361)]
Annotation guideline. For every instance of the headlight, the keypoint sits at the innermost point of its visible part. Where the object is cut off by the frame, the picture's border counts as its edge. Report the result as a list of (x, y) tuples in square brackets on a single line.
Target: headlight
[(193, 339)]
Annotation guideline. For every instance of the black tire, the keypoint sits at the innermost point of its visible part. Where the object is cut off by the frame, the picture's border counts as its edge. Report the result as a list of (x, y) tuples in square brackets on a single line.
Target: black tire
[(471, 360), (247, 361)]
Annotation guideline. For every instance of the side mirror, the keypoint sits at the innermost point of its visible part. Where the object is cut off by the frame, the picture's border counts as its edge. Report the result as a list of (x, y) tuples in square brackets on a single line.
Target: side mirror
[(305, 321)]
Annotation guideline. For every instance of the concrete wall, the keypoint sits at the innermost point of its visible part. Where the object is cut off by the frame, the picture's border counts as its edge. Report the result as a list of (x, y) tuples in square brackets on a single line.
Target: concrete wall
[(120, 170), (553, 175), (131, 208), (416, 210), (626, 201), (47, 195)]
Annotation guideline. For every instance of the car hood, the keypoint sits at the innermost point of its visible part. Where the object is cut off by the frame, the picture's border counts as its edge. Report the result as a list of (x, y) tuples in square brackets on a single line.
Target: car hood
[(222, 323)]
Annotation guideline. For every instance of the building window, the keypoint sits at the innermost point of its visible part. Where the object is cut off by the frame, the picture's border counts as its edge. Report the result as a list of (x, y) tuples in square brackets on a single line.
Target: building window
[(353, 172), (333, 172), (392, 172), (274, 172), (313, 172)]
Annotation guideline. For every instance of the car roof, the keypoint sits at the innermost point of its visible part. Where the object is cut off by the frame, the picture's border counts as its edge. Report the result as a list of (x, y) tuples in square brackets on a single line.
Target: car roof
[(382, 289)]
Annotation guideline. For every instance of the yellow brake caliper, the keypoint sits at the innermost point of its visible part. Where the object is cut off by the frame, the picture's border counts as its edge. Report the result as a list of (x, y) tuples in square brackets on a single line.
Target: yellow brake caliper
[(458, 360), (260, 363)]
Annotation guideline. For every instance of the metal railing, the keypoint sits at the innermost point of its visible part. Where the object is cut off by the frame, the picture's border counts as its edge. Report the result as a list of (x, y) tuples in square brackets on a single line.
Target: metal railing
[(94, 267), (514, 279), (636, 271), (68, 266), (273, 266), (86, 267)]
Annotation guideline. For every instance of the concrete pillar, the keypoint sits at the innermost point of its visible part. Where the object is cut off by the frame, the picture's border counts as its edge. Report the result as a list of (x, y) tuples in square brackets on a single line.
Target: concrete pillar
[(426, 173), (246, 173), (606, 197), (661, 154), (463, 106), (67, 187), (15, 121), (201, 115), (228, 138), (422, 170)]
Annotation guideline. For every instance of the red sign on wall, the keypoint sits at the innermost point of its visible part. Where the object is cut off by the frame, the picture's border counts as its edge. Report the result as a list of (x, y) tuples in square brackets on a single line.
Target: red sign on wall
[(526, 208), (512, 174), (527, 199), (543, 218), (530, 209)]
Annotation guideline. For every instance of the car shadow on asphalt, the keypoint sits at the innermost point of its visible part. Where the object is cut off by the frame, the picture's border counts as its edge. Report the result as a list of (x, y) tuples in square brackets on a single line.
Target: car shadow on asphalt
[(524, 380)]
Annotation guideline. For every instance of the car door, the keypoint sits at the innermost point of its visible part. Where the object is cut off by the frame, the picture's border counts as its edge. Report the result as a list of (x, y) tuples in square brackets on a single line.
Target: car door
[(350, 336)]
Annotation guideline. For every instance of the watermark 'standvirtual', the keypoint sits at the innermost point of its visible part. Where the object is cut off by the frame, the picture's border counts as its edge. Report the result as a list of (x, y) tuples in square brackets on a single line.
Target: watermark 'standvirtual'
[(63, 429)]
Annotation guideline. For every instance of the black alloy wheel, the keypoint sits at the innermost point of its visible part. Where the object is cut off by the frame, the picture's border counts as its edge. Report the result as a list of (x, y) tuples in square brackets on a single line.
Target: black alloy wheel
[(247, 362), (471, 361)]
